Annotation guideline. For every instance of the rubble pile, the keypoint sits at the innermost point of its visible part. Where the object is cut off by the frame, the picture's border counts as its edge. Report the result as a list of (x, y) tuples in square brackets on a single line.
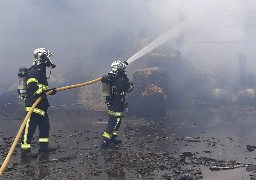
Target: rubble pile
[(149, 95)]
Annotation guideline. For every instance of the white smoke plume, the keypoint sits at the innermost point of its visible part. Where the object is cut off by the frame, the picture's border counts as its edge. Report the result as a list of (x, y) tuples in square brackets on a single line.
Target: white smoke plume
[(87, 35)]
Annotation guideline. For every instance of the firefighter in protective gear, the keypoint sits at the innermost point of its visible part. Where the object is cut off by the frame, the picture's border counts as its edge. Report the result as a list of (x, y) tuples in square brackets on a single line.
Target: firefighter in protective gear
[(119, 86), (37, 86)]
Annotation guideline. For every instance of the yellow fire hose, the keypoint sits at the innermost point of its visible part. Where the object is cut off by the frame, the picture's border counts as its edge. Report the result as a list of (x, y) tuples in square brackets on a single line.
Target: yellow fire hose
[(15, 142)]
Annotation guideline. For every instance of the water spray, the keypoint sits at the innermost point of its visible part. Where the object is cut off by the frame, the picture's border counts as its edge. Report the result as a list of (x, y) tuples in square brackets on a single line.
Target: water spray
[(172, 33)]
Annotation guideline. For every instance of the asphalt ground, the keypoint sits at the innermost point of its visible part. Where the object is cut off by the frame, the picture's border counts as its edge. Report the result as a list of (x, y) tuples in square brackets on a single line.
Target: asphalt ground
[(204, 143)]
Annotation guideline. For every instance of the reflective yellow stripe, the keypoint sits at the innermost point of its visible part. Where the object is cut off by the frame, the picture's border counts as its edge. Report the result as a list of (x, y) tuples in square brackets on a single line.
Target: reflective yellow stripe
[(25, 139), (115, 133), (106, 135), (41, 88), (39, 91), (31, 80), (43, 139), (25, 146), (36, 110), (112, 113)]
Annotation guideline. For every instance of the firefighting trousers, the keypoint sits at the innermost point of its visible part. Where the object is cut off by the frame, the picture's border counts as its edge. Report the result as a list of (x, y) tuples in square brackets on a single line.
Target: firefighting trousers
[(36, 119), (114, 123)]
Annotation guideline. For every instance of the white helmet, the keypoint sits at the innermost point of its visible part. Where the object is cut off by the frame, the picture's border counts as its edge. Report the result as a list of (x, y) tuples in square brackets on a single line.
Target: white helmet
[(117, 65), (42, 55)]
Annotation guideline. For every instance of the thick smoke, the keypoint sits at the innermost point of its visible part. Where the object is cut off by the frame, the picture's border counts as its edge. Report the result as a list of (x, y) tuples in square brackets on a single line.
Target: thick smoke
[(87, 35)]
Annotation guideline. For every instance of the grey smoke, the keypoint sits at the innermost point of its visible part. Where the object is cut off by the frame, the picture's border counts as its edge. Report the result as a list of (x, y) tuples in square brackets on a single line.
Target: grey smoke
[(87, 35)]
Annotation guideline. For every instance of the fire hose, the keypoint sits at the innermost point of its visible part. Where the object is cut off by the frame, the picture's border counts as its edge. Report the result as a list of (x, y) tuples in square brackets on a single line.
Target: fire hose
[(15, 142)]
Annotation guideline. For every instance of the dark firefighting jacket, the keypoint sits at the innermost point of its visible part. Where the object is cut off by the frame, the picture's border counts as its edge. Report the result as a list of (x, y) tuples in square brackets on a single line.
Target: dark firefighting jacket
[(37, 85), (120, 85)]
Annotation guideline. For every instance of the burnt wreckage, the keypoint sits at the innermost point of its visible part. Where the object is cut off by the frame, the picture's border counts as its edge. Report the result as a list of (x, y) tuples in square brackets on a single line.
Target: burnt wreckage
[(164, 82)]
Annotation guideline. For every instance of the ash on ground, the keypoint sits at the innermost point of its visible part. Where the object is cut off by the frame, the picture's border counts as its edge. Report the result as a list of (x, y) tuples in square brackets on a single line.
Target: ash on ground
[(192, 144)]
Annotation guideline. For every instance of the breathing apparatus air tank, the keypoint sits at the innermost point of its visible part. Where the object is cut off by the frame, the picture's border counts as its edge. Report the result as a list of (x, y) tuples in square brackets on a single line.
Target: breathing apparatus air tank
[(22, 84), (106, 89)]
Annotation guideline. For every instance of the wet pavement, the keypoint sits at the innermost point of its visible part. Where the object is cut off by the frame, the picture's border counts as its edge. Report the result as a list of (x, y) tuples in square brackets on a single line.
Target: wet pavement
[(201, 143)]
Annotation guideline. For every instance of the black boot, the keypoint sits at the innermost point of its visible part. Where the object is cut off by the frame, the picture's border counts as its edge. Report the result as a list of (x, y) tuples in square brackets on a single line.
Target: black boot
[(106, 143), (28, 154), (116, 141), (44, 148), (44, 157)]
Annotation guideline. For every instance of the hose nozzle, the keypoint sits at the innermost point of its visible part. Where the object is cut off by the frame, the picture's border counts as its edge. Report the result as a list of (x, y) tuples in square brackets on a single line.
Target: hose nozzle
[(125, 62)]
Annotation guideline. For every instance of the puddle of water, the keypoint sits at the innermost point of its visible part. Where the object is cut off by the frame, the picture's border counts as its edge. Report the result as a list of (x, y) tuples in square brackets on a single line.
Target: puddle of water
[(234, 174)]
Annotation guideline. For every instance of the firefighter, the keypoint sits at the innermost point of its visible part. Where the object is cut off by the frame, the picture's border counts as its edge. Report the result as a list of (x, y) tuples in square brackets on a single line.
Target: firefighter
[(37, 86), (117, 85)]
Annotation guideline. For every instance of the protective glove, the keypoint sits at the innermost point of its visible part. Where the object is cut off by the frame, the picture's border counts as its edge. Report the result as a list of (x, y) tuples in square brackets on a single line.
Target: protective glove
[(53, 91)]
